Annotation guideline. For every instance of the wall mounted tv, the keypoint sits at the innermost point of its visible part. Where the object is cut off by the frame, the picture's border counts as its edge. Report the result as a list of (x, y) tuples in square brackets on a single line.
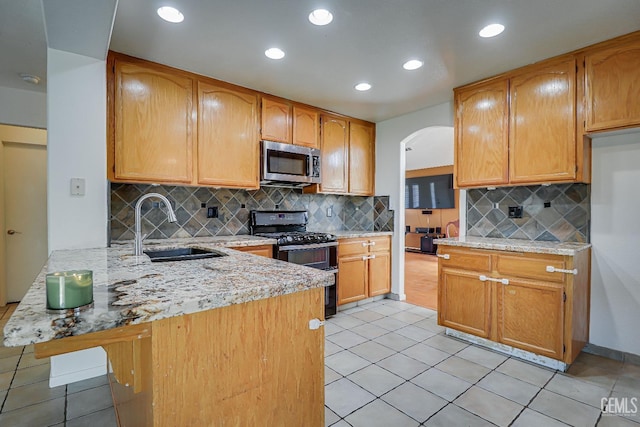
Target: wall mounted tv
[(429, 192)]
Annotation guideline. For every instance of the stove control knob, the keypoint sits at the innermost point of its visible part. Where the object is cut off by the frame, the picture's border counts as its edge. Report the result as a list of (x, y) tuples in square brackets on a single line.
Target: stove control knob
[(289, 239)]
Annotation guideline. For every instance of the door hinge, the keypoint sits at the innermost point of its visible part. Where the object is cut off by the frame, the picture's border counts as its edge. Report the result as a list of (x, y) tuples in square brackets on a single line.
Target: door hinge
[(564, 297)]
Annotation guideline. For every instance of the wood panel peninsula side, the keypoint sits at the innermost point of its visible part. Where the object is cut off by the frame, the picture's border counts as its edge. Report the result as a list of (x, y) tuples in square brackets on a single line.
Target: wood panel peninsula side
[(218, 341)]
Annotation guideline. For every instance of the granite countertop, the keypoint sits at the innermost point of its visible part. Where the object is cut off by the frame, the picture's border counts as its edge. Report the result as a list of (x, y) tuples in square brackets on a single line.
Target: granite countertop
[(344, 234), (515, 245), (240, 240), (131, 290)]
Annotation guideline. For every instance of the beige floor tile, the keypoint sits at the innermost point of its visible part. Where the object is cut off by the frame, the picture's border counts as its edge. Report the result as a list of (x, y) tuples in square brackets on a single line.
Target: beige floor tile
[(509, 387), (20, 397), (424, 312), (346, 321), (369, 331), (631, 370), (593, 374), (461, 368), (346, 363), (343, 397), (389, 324), (489, 406), (376, 380), (618, 421), (341, 423), (346, 339), (88, 401), (600, 362), (628, 385), (87, 384), (403, 366), (103, 418), (578, 390), (407, 317), (28, 360), (331, 328), (386, 309), (5, 381), (372, 351), (10, 351), (444, 385), (414, 401), (330, 417), (379, 414), (486, 358), (526, 372), (331, 348), (28, 349), (426, 354), (41, 414), (430, 324), (452, 415), (565, 409), (529, 418), (445, 343), (330, 375), (415, 333), (367, 315), (31, 375), (9, 364), (395, 341)]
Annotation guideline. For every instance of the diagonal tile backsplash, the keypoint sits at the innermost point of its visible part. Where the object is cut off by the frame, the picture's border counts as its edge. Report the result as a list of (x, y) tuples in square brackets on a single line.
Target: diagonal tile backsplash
[(349, 212), (566, 219)]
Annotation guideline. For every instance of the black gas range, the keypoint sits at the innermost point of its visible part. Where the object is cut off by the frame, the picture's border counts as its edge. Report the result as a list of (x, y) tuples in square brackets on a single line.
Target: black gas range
[(297, 245)]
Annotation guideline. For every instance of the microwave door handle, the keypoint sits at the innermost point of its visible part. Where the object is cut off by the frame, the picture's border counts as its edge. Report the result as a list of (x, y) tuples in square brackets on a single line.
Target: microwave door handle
[(309, 166)]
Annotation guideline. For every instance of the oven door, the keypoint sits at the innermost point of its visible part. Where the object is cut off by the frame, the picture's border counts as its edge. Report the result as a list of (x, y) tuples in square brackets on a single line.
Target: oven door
[(318, 255)]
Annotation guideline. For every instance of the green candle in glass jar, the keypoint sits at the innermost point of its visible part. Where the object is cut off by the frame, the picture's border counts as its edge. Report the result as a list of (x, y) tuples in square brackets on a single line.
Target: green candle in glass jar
[(69, 289)]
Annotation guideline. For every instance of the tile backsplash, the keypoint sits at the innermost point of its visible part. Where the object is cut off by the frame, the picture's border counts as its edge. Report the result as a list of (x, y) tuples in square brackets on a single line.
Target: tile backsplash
[(349, 212), (567, 219)]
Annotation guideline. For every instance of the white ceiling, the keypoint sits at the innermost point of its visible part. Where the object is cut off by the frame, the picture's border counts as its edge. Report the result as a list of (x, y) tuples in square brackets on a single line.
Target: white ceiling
[(367, 41)]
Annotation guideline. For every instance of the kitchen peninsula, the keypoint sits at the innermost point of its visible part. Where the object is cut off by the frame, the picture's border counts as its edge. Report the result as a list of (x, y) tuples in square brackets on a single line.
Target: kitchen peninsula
[(218, 341)]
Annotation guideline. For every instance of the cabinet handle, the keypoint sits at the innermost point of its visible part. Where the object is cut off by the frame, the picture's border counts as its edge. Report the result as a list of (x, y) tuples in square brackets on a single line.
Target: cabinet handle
[(484, 278), (372, 243), (365, 244), (315, 324), (445, 256), (364, 258), (552, 269)]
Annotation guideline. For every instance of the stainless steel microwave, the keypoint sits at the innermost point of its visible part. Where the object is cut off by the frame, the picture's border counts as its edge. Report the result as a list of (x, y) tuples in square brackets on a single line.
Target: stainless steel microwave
[(289, 165)]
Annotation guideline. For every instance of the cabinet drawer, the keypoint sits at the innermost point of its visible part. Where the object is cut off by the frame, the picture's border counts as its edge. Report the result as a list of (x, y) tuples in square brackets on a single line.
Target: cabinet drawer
[(530, 266), (466, 259), (356, 246), (380, 244)]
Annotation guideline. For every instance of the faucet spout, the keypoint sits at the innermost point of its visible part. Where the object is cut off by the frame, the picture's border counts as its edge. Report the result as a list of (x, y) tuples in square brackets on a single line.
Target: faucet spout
[(171, 217)]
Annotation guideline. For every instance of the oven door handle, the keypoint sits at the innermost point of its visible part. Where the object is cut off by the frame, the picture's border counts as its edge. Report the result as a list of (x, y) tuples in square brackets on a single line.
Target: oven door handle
[(309, 246)]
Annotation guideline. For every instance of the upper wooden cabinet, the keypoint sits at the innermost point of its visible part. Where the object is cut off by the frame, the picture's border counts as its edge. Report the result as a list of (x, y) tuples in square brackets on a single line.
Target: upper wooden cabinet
[(361, 159), (153, 129), (335, 154), (482, 134), (276, 120), (228, 146), (291, 124), (542, 124), (612, 86), (520, 128)]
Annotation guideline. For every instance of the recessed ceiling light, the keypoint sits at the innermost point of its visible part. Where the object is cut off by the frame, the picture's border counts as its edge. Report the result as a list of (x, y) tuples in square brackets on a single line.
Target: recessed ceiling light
[(363, 86), (320, 17), (274, 53), (412, 64), (491, 30), (170, 14), (30, 78)]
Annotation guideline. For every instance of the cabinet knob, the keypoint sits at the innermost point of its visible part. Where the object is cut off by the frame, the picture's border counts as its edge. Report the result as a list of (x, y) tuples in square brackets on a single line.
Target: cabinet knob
[(552, 269), (444, 256)]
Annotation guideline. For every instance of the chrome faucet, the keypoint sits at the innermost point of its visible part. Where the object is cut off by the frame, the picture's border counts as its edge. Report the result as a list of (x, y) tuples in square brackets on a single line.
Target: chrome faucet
[(171, 217)]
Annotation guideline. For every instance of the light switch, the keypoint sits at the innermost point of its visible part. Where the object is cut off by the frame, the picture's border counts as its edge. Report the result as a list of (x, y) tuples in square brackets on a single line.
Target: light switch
[(77, 186)]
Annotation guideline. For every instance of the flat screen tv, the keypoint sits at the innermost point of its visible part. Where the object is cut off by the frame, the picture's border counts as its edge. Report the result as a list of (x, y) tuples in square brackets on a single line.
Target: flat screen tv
[(429, 192)]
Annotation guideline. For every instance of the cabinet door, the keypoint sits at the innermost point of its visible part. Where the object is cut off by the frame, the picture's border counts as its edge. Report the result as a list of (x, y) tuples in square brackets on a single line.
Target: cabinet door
[(361, 159), (481, 135), (262, 250), (531, 317), (613, 87), (352, 278), (153, 125), (379, 273), (276, 120), (335, 134), (464, 302), (542, 136), (228, 146), (305, 127)]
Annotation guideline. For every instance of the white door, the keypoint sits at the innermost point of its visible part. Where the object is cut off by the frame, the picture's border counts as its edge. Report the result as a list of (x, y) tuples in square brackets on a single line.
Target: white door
[(24, 203)]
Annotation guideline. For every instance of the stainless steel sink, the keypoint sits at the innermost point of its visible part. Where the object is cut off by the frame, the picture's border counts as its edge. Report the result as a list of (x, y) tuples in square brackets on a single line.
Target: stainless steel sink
[(182, 254)]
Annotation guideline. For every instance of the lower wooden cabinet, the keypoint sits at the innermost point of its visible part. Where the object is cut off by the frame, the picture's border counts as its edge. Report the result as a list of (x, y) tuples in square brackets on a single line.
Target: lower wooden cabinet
[(262, 250), (364, 268), (518, 299)]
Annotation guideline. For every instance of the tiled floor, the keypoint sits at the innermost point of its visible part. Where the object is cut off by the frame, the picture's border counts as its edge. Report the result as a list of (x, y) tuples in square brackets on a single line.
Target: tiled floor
[(387, 364)]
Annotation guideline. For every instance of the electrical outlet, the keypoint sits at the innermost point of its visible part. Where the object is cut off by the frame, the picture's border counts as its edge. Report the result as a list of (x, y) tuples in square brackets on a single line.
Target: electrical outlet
[(330, 211), (547, 204), (77, 186), (496, 205), (515, 211), (212, 212), (427, 212), (203, 205)]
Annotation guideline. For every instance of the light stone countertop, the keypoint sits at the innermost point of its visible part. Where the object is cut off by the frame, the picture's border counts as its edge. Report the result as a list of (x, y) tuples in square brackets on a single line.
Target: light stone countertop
[(240, 240), (131, 290), (344, 234), (515, 245)]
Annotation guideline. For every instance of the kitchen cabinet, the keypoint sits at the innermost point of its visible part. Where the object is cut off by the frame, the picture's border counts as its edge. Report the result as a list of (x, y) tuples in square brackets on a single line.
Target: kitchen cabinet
[(335, 154), (228, 145), (364, 268), (528, 301), (262, 250), (153, 129), (612, 85), (291, 124), (361, 159), (520, 128)]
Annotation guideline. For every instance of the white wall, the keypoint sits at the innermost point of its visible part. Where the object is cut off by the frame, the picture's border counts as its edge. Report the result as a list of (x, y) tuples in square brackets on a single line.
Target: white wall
[(23, 107), (615, 233), (77, 141), (76, 123), (390, 173)]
